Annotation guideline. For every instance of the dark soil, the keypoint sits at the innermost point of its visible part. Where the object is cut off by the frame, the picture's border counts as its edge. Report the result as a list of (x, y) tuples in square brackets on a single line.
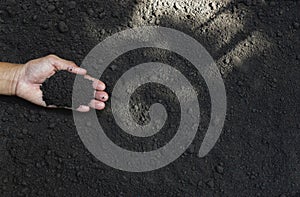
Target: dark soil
[(256, 46), (57, 90)]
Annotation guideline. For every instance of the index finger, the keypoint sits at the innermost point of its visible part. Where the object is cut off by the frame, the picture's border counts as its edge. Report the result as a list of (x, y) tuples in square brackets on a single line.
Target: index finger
[(70, 66)]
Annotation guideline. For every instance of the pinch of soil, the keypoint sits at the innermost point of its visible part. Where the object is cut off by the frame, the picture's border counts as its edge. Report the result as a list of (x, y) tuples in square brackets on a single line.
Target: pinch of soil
[(57, 90)]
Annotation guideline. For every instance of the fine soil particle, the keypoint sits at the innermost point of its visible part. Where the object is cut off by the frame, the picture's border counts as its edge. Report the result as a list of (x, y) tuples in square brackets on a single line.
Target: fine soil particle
[(57, 90)]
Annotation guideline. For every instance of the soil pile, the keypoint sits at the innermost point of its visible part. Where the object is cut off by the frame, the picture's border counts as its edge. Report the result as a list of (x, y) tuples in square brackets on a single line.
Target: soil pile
[(57, 90)]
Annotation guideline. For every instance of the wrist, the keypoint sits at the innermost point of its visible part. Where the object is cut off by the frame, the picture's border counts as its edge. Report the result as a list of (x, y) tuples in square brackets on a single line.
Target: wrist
[(10, 76)]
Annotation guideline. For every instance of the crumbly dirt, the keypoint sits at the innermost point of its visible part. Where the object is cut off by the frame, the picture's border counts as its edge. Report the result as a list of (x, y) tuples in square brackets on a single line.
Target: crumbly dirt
[(256, 47), (57, 90)]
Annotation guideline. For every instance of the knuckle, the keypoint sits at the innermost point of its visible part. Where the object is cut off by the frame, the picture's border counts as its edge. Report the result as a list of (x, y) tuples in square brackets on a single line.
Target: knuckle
[(71, 63), (71, 68)]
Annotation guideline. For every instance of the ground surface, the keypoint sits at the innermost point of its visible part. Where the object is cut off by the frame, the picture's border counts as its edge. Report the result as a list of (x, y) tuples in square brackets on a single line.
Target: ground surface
[(256, 46)]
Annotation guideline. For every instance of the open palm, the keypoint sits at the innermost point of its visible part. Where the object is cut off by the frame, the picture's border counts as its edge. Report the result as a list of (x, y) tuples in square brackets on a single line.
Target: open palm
[(35, 72)]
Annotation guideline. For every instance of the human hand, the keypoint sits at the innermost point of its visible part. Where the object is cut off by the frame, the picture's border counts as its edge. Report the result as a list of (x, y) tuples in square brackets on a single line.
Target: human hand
[(35, 72)]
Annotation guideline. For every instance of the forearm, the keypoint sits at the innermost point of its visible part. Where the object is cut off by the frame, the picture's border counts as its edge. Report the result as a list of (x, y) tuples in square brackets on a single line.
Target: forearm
[(9, 74)]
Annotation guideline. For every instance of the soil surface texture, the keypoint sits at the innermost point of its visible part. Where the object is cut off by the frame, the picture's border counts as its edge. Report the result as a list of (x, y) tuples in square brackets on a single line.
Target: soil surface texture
[(256, 47)]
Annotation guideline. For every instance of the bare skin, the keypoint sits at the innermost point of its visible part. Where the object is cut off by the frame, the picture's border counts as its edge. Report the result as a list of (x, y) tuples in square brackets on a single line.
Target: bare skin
[(24, 80)]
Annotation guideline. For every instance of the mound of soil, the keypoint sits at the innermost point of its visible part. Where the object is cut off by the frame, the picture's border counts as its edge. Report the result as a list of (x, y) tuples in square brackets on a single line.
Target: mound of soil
[(57, 90)]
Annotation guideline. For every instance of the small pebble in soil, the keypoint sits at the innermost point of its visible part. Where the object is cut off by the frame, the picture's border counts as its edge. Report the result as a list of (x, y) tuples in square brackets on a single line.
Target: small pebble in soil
[(62, 27), (219, 169), (51, 8), (236, 60), (71, 4), (212, 5), (176, 6), (90, 12), (296, 25), (38, 2), (210, 183), (113, 67), (227, 60), (35, 17)]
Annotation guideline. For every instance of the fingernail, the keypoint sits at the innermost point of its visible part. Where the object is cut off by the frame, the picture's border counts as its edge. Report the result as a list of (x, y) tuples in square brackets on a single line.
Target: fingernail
[(104, 96)]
